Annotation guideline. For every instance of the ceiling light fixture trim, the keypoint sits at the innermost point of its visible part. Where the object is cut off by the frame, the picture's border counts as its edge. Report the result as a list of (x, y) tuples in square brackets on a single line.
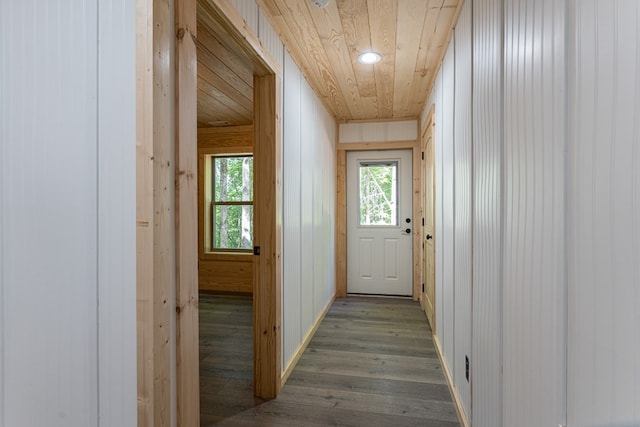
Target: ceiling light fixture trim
[(320, 3), (369, 57)]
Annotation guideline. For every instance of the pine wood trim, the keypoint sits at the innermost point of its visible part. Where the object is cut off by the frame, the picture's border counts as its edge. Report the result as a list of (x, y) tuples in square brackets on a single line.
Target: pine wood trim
[(267, 235), (462, 416), (341, 224), (186, 226), (387, 145), (144, 212), (341, 208), (221, 14), (416, 227)]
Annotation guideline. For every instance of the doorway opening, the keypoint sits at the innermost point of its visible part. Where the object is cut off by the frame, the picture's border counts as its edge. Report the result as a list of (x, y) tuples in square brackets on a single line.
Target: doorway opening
[(380, 222), (225, 25)]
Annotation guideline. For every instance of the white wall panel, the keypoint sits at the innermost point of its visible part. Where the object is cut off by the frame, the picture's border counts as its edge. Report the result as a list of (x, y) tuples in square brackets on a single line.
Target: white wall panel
[(328, 138), (309, 209), (291, 246), (486, 366), (604, 215), (404, 130), (248, 9), (116, 213), (463, 206), (270, 39), (4, 125), (438, 113), (307, 163), (49, 174), (67, 220), (534, 273), (447, 236), (318, 236)]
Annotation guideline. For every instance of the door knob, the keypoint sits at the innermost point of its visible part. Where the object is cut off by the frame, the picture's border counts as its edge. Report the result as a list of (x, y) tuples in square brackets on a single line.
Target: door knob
[(428, 237)]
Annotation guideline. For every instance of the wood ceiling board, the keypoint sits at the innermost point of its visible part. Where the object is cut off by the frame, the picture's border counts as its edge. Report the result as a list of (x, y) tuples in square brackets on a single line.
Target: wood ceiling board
[(426, 41), (237, 64), (411, 36), (355, 25), (213, 107), (237, 94), (217, 73), (328, 25), (231, 29), (297, 17), (411, 19), (384, 16)]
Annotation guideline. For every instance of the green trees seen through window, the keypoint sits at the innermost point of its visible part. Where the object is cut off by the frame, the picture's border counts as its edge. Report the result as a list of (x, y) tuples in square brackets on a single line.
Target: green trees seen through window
[(378, 194), (232, 202)]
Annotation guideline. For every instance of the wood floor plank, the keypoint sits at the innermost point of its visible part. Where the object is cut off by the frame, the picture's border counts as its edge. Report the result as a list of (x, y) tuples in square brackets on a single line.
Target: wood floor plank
[(371, 363), (416, 407), (428, 391)]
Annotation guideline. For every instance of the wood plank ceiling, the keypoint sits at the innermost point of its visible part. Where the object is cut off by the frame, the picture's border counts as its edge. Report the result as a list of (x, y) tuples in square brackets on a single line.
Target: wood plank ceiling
[(410, 35)]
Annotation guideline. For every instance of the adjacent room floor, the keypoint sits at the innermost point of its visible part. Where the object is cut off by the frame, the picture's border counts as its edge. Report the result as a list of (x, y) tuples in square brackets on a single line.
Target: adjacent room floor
[(372, 362)]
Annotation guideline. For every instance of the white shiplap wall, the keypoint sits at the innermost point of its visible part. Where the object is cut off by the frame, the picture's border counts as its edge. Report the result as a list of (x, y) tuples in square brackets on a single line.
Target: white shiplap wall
[(68, 221), (534, 266), (270, 39), (291, 246), (403, 130), (556, 217), (446, 274), (463, 206), (309, 209), (309, 132), (604, 215), (486, 367), (116, 213), (248, 9)]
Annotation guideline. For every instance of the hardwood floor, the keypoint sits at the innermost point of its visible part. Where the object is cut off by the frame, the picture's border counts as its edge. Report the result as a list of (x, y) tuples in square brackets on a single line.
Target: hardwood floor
[(371, 363)]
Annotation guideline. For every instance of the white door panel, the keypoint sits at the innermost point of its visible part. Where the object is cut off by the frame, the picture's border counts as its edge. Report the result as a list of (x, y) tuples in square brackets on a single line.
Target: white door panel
[(379, 204)]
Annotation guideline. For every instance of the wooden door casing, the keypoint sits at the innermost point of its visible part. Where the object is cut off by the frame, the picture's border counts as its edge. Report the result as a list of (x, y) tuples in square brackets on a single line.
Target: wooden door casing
[(428, 295)]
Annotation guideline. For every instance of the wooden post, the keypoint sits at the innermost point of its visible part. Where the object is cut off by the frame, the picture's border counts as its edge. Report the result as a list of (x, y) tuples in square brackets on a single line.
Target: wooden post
[(186, 226), (417, 218), (267, 236), (154, 213), (341, 224), (144, 211)]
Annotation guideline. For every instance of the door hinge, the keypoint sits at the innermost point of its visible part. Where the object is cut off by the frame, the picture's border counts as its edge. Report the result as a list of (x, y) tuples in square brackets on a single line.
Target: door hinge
[(423, 288), (423, 155), (423, 222)]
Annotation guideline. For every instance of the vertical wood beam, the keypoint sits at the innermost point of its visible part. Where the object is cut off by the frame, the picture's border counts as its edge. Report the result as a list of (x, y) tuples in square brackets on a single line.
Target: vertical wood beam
[(154, 210), (144, 211), (186, 225), (341, 224), (417, 219), (267, 235)]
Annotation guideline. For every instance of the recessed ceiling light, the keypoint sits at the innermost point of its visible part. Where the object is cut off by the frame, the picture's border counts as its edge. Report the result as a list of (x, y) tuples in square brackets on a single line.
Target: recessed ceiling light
[(369, 58), (320, 3)]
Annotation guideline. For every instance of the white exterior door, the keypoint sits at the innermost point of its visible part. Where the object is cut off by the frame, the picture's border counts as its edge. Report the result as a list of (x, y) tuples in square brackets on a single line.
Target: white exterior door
[(379, 222)]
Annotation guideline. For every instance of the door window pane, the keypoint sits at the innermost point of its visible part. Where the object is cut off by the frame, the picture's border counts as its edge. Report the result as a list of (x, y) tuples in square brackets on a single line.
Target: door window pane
[(378, 193)]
